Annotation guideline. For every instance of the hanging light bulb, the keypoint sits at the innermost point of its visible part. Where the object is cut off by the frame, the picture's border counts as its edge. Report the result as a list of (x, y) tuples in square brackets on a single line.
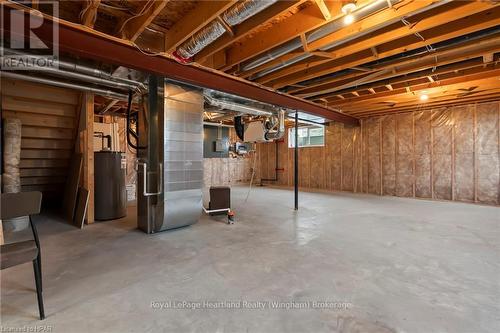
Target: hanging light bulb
[(347, 9), (348, 19), (424, 97)]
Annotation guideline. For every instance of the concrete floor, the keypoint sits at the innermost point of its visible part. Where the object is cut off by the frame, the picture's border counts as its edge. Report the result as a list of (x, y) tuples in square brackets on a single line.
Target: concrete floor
[(393, 264)]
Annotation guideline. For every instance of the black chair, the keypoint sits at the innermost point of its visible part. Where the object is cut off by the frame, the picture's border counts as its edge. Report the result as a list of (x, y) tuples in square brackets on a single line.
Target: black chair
[(17, 205)]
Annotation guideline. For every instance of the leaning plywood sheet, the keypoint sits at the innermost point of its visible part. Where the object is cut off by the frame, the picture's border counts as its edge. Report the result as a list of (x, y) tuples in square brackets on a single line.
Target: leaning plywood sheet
[(487, 153), (423, 154), (404, 155), (389, 155), (71, 187), (81, 207), (464, 152), (442, 124)]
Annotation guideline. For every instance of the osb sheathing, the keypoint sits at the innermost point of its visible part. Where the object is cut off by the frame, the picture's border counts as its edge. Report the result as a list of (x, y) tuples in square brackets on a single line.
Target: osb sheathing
[(447, 153)]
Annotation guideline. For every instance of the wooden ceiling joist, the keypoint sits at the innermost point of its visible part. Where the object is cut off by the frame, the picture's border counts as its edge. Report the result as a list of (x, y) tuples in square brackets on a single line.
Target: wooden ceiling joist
[(324, 9), (441, 101), (464, 80), (406, 66), (457, 88), (466, 25), (88, 13), (442, 72)]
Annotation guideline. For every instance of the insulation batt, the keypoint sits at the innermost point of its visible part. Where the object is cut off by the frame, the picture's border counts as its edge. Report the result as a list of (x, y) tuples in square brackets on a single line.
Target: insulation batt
[(12, 155), (445, 153)]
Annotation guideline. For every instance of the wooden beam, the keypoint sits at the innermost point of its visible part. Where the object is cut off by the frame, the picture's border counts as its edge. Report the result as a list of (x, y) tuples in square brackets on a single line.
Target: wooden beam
[(226, 26), (133, 28), (304, 21), (247, 27), (488, 58), (89, 12), (323, 54), (324, 9), (303, 40), (389, 87), (204, 13)]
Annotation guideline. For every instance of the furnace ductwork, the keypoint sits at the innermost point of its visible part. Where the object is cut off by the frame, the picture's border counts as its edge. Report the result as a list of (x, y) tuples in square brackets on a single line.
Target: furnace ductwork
[(271, 128), (244, 10), (278, 129), (233, 16), (201, 39)]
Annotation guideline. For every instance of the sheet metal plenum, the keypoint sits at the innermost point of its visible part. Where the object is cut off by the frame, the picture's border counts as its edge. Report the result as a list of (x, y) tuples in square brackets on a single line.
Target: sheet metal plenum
[(179, 148)]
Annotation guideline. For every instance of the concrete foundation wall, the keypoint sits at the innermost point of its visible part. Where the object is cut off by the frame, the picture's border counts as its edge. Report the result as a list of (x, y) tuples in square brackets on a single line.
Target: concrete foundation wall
[(447, 153)]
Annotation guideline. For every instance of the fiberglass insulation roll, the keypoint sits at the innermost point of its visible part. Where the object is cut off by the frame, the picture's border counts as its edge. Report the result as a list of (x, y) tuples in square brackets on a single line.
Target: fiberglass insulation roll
[(12, 155)]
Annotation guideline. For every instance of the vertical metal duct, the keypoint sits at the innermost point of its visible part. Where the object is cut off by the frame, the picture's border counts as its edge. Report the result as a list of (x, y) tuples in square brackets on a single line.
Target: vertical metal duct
[(170, 176), (278, 129), (233, 16)]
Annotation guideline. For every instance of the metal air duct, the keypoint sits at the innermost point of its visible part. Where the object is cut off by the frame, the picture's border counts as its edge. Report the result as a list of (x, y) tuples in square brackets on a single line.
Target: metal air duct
[(56, 83), (233, 16), (278, 130), (233, 106), (85, 73)]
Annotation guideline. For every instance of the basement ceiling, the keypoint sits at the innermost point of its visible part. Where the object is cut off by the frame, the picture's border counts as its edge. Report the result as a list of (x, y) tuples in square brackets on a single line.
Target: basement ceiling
[(395, 56)]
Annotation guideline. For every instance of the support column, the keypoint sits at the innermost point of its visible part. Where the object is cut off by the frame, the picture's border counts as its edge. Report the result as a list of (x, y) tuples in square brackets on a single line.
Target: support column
[(296, 161)]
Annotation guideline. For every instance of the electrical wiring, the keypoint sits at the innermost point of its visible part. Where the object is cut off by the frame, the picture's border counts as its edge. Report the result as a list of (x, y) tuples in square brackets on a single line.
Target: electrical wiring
[(253, 175), (143, 10)]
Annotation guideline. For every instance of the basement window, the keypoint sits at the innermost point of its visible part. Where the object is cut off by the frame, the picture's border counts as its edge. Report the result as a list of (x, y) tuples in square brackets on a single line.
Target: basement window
[(310, 136)]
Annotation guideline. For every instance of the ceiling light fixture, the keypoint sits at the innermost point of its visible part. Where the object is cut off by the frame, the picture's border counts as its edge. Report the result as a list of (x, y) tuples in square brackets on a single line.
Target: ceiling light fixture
[(424, 97), (347, 9)]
